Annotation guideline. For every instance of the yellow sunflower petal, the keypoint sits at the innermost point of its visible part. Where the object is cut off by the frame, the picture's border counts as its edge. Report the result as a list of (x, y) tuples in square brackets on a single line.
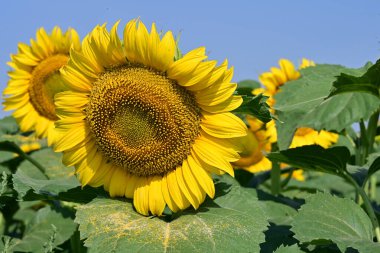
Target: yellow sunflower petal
[(229, 105), (156, 198), (187, 64), (198, 177), (191, 183), (175, 191), (210, 154), (223, 125), (184, 188), (288, 68), (167, 197), (118, 183), (141, 195)]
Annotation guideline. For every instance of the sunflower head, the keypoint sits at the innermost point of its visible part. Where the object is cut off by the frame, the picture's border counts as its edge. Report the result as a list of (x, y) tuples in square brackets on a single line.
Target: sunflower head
[(260, 138), (144, 125), (35, 79), (266, 134)]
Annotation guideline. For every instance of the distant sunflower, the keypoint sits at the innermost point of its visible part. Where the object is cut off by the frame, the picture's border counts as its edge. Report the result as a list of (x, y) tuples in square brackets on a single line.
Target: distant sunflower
[(277, 77), (34, 80), (146, 126), (255, 146), (272, 82)]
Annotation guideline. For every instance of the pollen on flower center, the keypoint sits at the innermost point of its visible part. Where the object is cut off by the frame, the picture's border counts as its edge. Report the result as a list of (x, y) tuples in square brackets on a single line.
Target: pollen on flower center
[(142, 120), (44, 84)]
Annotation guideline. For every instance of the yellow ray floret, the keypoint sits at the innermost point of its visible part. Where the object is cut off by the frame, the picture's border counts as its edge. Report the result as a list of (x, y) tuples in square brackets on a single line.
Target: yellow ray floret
[(35, 79), (146, 126)]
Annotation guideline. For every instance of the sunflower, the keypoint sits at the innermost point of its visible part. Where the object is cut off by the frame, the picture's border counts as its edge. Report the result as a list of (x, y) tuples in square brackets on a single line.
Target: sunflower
[(254, 159), (146, 126), (34, 80), (255, 146), (277, 77)]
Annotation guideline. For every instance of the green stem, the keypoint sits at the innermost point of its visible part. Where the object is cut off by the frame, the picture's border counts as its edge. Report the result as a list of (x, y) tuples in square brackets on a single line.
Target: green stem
[(371, 130), (364, 144), (275, 176), (21, 153), (35, 163), (367, 205), (287, 179), (372, 187)]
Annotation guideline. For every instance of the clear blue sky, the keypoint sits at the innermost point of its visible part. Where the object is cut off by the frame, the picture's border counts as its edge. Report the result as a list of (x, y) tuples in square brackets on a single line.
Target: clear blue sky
[(252, 35)]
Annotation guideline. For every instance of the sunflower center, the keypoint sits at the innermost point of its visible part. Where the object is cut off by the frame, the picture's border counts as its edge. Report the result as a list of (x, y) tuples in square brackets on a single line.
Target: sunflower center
[(302, 131), (142, 120), (44, 84)]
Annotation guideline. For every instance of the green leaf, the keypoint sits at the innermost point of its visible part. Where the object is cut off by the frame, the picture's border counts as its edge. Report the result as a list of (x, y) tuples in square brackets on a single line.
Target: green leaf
[(39, 230), (312, 88), (233, 221), (375, 166), (313, 157), (327, 218), (60, 178), (305, 103), (369, 82), (8, 125), (276, 236), (246, 87), (341, 111), (288, 249), (12, 144), (255, 106), (315, 182)]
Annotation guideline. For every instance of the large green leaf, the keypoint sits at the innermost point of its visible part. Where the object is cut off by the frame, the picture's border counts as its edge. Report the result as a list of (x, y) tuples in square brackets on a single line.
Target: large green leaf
[(305, 103), (234, 221), (314, 157), (327, 218), (340, 111), (369, 82), (57, 177), (39, 230), (312, 88)]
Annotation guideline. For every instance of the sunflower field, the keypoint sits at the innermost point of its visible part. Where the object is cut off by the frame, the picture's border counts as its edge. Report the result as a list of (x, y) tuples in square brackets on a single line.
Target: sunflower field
[(121, 142)]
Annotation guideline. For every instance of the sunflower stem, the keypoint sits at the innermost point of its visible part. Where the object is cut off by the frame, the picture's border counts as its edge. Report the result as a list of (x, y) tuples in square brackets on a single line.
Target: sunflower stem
[(364, 144), (287, 179), (34, 162), (371, 130), (367, 204), (275, 178)]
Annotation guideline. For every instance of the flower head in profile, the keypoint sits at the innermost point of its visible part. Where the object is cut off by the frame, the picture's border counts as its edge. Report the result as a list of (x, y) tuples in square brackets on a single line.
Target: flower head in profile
[(35, 80), (272, 82), (146, 126), (286, 72)]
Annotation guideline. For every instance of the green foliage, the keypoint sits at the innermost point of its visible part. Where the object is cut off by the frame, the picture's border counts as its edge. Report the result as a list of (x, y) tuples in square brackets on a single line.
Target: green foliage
[(8, 125), (369, 82), (234, 220), (255, 106), (306, 103), (245, 87), (314, 157), (39, 231), (326, 218), (55, 179)]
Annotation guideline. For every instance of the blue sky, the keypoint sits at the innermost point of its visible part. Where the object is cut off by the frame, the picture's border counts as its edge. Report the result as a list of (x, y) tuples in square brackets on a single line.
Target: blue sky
[(252, 35)]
